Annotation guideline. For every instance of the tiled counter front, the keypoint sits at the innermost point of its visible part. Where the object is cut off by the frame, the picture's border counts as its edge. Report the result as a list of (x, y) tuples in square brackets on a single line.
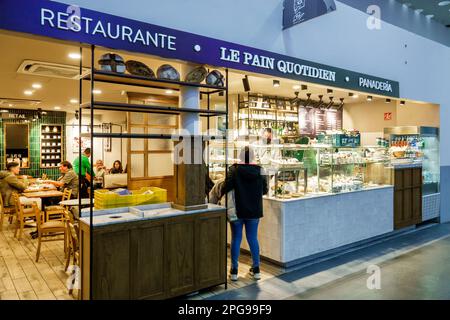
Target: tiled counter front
[(292, 230)]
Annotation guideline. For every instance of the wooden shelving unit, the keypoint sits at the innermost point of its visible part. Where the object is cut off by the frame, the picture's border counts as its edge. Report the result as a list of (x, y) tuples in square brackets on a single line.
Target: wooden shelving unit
[(90, 282), (52, 148)]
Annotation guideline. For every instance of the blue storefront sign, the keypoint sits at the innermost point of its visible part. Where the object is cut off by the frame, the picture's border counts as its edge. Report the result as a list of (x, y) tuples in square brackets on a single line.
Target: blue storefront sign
[(71, 23), (298, 11)]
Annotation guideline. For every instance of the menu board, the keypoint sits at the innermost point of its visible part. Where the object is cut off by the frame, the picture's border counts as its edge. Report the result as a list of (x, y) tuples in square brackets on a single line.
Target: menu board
[(315, 121)]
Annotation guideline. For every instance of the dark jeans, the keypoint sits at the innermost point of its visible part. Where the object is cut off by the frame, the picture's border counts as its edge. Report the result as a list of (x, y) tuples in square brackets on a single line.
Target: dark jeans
[(251, 233)]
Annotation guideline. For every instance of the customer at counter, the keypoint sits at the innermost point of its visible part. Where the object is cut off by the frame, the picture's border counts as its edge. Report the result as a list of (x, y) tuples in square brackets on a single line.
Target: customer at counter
[(249, 185), (83, 171), (10, 183), (67, 180)]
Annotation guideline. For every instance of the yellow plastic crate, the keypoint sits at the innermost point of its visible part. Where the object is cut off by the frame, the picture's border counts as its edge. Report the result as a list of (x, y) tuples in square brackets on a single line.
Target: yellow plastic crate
[(106, 200)]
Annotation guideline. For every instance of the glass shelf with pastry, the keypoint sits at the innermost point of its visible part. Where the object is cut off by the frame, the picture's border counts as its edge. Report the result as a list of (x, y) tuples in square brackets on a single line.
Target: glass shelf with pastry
[(297, 171)]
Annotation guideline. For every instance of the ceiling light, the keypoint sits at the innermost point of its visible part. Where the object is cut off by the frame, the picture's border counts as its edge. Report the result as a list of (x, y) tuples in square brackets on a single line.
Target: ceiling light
[(388, 100), (369, 98), (73, 101), (169, 91), (57, 108), (276, 83), (443, 3), (36, 85), (296, 87), (419, 10), (75, 56), (429, 16), (10, 105), (96, 91), (28, 92), (355, 96), (4, 111)]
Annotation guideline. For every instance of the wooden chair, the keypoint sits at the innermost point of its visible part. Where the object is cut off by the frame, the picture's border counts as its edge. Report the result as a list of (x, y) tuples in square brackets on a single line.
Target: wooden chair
[(74, 248), (58, 210), (6, 210), (22, 215), (49, 229)]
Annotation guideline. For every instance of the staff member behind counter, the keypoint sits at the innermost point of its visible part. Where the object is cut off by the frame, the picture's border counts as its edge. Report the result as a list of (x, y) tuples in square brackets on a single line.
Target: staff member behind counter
[(264, 151)]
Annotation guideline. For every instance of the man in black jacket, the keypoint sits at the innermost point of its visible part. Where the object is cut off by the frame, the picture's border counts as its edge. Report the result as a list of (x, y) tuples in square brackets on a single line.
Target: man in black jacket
[(249, 184)]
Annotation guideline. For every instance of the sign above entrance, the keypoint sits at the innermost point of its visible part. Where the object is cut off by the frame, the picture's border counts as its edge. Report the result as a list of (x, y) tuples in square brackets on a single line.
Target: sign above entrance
[(71, 23), (298, 11)]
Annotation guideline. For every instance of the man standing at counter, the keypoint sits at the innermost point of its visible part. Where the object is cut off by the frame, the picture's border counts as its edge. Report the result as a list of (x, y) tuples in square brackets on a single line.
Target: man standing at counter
[(83, 171)]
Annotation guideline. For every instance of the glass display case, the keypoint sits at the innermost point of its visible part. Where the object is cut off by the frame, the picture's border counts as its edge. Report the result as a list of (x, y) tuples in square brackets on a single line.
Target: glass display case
[(295, 171), (417, 144)]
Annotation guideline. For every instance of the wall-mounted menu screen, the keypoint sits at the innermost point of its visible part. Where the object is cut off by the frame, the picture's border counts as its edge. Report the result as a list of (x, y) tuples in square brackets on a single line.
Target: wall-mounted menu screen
[(17, 147), (51, 145)]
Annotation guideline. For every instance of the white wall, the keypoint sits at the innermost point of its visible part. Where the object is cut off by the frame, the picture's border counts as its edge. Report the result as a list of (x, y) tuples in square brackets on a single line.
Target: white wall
[(99, 153), (340, 39)]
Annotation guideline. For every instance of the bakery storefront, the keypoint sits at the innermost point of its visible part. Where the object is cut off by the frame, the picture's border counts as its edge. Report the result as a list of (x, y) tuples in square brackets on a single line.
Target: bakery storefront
[(349, 160)]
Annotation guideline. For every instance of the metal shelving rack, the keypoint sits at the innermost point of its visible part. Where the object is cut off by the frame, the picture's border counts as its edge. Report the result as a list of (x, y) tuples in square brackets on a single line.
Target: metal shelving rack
[(139, 81)]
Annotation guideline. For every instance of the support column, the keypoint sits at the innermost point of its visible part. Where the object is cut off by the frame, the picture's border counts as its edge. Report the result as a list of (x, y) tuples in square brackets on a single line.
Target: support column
[(190, 170)]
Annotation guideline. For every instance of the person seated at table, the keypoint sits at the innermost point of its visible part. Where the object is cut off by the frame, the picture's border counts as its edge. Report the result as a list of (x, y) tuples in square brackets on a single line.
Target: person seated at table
[(10, 183), (68, 179), (99, 172), (117, 168)]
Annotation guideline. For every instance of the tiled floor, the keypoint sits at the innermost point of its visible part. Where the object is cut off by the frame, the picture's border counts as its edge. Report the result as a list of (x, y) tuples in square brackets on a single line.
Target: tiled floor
[(415, 265), (268, 271), (21, 277)]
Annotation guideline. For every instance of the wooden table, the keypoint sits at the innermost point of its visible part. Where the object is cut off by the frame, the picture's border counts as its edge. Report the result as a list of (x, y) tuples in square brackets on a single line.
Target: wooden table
[(43, 194), (39, 190)]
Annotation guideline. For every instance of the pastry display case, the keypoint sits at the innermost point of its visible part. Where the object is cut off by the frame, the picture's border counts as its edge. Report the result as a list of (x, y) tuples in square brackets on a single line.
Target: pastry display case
[(295, 171), (417, 144)]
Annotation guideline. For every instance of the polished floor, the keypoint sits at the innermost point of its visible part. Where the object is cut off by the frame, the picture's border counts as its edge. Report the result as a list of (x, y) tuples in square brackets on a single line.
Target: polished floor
[(415, 265), (22, 278)]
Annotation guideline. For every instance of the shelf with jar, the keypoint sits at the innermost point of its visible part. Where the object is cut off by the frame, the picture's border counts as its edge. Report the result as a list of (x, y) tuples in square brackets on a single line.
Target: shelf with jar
[(51, 145)]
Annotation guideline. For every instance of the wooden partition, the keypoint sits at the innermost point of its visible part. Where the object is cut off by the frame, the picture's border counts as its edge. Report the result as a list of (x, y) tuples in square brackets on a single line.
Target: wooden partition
[(155, 259), (407, 197)]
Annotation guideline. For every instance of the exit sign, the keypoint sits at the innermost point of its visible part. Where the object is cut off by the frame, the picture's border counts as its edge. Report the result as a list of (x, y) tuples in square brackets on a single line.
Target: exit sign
[(387, 116)]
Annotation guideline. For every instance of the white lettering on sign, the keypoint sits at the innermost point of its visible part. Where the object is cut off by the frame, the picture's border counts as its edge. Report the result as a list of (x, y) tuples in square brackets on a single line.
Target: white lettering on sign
[(288, 67), (75, 22), (230, 55), (375, 84)]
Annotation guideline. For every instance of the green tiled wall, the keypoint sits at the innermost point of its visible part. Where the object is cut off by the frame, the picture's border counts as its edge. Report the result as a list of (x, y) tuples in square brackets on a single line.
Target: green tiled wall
[(35, 140)]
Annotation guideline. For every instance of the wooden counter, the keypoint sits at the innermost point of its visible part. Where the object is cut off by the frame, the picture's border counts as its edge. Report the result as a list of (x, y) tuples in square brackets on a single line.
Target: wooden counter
[(154, 258)]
